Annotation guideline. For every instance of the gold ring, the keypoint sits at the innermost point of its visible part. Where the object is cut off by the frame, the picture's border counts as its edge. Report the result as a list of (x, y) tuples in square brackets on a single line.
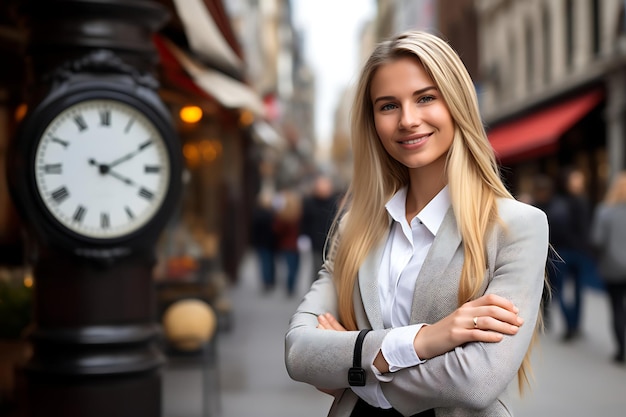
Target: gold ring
[(475, 322)]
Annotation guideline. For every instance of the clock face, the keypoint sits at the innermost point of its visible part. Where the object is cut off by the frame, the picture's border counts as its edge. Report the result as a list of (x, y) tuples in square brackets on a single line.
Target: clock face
[(102, 168)]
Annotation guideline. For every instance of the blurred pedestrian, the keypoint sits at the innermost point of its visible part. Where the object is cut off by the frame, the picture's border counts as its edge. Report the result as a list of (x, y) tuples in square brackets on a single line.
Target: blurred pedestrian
[(318, 211), (433, 256), (569, 226), (286, 227), (543, 197), (609, 237), (263, 239)]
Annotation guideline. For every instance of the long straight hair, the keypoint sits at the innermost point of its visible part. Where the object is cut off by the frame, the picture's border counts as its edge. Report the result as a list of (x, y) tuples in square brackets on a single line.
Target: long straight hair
[(471, 169)]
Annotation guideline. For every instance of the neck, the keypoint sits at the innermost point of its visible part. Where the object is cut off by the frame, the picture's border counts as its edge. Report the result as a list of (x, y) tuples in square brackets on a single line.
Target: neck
[(424, 185)]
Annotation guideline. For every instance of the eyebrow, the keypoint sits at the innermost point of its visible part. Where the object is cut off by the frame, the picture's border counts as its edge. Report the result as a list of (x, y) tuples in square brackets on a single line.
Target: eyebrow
[(415, 93)]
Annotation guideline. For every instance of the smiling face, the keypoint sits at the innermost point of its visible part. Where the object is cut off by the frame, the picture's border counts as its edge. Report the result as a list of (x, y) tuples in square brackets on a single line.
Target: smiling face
[(412, 120)]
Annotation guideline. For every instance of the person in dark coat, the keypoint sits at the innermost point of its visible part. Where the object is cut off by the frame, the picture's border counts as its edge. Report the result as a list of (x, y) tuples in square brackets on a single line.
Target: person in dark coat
[(569, 217), (318, 212), (263, 239)]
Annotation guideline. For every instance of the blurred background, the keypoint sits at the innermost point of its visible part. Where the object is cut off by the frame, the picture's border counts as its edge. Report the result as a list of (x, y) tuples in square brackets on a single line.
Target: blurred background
[(259, 92)]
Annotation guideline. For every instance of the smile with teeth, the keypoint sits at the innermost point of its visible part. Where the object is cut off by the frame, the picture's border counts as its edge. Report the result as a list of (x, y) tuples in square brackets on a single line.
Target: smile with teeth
[(413, 141)]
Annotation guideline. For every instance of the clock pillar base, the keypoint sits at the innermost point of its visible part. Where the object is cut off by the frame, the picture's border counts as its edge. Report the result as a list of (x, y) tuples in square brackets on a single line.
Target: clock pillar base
[(95, 340), (128, 396)]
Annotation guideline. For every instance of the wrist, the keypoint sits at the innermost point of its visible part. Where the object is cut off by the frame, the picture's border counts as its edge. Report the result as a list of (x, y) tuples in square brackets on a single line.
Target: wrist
[(381, 363), (420, 343)]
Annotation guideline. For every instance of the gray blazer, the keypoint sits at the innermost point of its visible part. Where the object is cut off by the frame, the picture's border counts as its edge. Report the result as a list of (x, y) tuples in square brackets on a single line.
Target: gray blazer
[(469, 381)]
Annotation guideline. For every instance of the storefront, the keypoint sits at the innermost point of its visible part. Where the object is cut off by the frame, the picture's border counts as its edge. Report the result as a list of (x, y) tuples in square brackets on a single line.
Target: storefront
[(566, 132)]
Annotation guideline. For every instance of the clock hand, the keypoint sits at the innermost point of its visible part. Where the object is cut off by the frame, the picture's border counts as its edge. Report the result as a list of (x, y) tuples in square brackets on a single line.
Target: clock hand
[(103, 168), (131, 154), (122, 178), (106, 169)]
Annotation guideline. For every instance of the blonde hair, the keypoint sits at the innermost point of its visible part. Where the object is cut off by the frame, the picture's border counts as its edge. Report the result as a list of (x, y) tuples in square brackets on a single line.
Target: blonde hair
[(471, 168), (616, 193)]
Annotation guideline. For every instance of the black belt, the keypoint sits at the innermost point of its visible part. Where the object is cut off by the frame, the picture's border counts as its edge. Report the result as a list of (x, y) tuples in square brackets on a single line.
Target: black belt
[(356, 378), (356, 374)]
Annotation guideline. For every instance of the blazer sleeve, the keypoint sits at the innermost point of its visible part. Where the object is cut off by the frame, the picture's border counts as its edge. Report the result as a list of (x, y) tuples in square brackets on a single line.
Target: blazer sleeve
[(476, 374), (321, 357)]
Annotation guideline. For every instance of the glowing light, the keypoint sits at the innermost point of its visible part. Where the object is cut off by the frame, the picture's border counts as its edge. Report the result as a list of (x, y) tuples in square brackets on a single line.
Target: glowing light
[(246, 117), (28, 280), (191, 154), (20, 112), (190, 114), (210, 149)]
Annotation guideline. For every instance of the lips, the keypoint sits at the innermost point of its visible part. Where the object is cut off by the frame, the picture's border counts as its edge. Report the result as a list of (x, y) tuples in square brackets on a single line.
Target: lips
[(414, 139)]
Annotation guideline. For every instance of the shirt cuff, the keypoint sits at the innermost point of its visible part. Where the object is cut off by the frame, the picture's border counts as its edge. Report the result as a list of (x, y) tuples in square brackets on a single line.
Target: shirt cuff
[(398, 349)]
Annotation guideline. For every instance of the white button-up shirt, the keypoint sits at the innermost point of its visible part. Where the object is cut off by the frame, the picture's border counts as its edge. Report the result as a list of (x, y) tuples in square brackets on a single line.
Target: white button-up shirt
[(403, 257)]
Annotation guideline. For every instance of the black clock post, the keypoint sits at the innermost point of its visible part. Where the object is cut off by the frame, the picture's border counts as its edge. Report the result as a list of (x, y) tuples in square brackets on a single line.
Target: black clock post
[(95, 173)]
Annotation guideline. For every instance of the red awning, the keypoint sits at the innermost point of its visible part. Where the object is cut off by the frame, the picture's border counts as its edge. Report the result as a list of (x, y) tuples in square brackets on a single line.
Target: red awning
[(174, 70), (193, 76), (538, 133)]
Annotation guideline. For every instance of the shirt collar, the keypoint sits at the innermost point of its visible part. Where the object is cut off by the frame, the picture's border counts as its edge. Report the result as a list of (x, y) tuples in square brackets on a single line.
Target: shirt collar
[(431, 216)]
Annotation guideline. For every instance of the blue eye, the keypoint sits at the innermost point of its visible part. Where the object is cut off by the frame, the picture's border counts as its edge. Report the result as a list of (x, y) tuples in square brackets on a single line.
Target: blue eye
[(426, 99), (388, 106)]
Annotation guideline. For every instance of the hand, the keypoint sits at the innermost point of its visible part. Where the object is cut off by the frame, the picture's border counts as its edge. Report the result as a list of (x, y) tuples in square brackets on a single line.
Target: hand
[(126, 180), (106, 169), (486, 319), (131, 154), (327, 321)]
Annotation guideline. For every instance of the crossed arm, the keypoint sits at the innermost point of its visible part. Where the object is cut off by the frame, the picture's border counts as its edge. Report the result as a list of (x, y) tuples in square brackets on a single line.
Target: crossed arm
[(467, 366), (485, 319)]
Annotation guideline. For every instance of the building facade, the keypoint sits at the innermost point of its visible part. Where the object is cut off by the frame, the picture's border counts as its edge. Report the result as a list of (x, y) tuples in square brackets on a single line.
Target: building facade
[(552, 86)]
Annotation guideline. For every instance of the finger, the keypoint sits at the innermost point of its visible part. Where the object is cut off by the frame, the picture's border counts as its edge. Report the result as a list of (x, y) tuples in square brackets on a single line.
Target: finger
[(490, 324), (332, 321), (322, 322), (493, 300), (487, 336), (498, 313)]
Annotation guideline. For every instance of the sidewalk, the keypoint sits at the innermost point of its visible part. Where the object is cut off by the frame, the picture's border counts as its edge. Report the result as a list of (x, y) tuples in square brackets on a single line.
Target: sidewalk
[(252, 375), (572, 380)]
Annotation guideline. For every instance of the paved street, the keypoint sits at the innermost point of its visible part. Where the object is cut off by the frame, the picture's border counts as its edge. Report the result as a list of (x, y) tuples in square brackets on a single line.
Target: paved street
[(572, 380)]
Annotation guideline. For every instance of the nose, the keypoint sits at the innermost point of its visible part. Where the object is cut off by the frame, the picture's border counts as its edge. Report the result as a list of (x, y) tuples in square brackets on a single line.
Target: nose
[(410, 117)]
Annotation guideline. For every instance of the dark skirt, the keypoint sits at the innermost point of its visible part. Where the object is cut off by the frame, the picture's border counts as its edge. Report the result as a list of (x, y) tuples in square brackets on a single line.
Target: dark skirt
[(363, 409)]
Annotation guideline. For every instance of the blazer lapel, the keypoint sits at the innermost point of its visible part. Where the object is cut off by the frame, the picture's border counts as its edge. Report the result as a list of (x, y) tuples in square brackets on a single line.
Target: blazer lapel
[(431, 282)]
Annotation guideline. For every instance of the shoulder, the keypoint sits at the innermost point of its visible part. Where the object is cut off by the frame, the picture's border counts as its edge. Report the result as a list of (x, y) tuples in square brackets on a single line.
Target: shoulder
[(520, 227), (517, 215), (511, 209)]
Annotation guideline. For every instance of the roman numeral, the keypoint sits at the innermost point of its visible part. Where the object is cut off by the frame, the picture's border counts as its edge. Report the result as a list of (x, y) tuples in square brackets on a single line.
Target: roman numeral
[(80, 122), (146, 194), (60, 194), (79, 214), (53, 168), (152, 169), (104, 220), (129, 125), (145, 144), (60, 142), (105, 118), (129, 212)]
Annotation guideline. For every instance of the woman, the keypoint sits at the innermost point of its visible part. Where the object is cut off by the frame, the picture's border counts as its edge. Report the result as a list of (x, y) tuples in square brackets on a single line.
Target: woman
[(286, 228), (608, 234), (433, 254)]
